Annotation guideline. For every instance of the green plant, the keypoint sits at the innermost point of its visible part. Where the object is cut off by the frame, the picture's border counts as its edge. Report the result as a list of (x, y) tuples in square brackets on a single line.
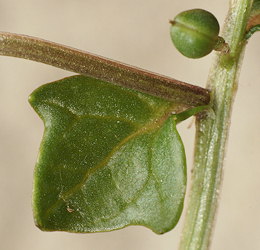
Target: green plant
[(200, 98)]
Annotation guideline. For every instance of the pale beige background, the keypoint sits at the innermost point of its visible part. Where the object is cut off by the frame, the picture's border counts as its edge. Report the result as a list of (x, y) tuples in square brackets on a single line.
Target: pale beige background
[(135, 32)]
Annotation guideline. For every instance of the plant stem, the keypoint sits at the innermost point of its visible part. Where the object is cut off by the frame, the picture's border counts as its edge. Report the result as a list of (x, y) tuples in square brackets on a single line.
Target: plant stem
[(67, 58), (212, 131)]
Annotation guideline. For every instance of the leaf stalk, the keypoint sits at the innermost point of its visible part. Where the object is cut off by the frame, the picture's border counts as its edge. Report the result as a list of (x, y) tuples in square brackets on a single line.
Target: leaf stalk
[(88, 64)]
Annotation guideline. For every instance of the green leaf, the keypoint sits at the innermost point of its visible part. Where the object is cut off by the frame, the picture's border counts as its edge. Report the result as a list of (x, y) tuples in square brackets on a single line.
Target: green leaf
[(110, 157)]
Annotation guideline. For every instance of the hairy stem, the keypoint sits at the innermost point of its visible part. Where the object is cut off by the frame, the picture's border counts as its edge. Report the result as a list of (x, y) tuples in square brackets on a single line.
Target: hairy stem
[(101, 68), (212, 132)]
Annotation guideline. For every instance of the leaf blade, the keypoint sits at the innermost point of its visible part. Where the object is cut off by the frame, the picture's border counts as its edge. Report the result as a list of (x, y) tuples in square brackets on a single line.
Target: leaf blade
[(105, 171)]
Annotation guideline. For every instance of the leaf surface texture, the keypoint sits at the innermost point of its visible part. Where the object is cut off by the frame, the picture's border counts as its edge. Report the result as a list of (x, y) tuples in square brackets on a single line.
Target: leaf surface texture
[(110, 157)]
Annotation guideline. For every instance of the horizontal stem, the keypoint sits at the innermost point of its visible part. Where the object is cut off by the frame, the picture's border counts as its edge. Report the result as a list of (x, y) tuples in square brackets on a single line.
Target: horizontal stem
[(84, 63)]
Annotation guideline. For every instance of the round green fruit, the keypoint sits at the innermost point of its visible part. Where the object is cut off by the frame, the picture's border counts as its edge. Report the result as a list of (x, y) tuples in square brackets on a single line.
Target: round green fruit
[(194, 32)]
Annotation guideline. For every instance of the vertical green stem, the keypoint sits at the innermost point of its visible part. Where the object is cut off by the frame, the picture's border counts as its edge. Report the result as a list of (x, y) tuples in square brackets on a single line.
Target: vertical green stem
[(212, 131)]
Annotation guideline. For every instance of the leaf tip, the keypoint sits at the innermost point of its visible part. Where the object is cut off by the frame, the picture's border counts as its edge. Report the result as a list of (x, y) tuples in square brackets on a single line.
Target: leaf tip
[(31, 99)]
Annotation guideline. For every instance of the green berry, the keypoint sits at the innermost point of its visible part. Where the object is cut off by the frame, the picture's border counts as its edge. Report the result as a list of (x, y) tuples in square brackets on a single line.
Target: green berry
[(194, 32)]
